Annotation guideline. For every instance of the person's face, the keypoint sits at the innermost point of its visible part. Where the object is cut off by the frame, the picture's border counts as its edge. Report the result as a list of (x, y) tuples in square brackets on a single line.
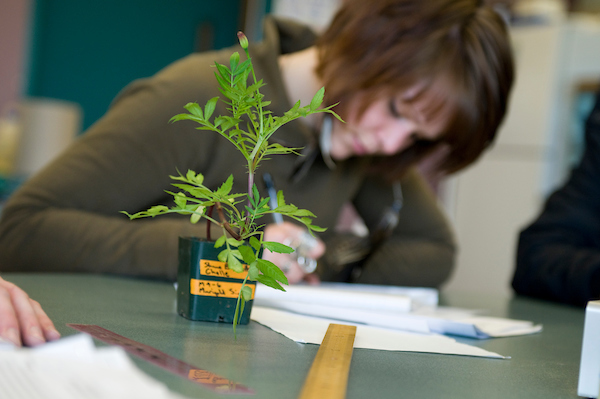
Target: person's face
[(388, 126)]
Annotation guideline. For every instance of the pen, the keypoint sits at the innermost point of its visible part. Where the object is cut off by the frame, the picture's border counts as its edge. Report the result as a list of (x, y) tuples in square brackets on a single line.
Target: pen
[(306, 242), (272, 196)]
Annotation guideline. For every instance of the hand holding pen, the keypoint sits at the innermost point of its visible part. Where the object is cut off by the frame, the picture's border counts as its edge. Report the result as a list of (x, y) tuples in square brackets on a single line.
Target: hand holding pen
[(307, 248)]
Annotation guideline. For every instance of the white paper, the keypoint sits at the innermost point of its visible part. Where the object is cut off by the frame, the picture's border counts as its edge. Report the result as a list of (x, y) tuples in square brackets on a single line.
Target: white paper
[(468, 323), (6, 345), (419, 296), (402, 321), (307, 329), (334, 297), (73, 368), (402, 308)]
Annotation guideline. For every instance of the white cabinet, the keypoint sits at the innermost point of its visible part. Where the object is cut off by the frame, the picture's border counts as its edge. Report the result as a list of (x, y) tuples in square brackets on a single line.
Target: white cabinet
[(492, 200)]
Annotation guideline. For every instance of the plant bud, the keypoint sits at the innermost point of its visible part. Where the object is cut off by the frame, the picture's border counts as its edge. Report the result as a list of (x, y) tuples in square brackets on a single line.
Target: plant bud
[(243, 40)]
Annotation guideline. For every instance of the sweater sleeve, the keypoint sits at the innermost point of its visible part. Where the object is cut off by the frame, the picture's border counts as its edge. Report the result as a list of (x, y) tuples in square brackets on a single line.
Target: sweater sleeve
[(421, 250), (67, 217), (558, 256)]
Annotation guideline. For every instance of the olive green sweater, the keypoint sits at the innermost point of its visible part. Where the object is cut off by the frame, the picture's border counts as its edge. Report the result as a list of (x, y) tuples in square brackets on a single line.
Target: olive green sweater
[(67, 217)]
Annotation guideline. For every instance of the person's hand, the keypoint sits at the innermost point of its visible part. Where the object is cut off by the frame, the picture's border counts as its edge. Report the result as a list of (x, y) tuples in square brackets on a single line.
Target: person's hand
[(22, 320), (308, 248)]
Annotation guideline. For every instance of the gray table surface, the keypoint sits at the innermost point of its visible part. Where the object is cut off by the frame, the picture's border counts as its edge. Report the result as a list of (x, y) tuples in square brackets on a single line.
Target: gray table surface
[(544, 365)]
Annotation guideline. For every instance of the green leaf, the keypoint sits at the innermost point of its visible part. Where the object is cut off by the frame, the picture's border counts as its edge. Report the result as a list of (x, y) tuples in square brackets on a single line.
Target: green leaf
[(238, 78), (198, 192), (183, 117), (269, 269), (180, 200), (303, 213), (255, 194), (226, 187), (223, 72), (199, 179), (317, 99), (209, 108), (280, 198), (306, 221), (190, 175), (239, 304), (243, 66), (219, 120), (247, 254), (194, 109), (234, 263), (263, 203), (157, 209), (278, 247), (246, 293), (234, 60), (229, 122), (286, 208), (241, 225), (294, 109), (234, 243), (269, 282), (220, 242), (253, 271), (224, 83), (223, 255), (255, 243), (242, 305), (317, 228), (249, 209), (196, 216)]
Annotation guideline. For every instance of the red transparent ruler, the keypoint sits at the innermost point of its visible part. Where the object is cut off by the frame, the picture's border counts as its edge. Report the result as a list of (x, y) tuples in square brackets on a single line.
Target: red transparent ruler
[(205, 378)]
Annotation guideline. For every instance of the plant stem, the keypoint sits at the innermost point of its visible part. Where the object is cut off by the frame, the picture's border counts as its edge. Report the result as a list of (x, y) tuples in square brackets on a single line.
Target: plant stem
[(250, 196), (225, 223), (208, 222)]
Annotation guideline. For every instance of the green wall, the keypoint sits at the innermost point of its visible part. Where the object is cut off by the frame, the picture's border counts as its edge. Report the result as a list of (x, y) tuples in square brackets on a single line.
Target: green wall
[(86, 51)]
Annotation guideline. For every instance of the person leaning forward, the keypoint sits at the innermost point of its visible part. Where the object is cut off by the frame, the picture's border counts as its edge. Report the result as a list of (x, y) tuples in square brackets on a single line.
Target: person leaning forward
[(410, 77)]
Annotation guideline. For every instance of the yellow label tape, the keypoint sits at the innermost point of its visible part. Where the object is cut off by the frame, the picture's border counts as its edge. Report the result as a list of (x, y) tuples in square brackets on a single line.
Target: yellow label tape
[(217, 288), (220, 269)]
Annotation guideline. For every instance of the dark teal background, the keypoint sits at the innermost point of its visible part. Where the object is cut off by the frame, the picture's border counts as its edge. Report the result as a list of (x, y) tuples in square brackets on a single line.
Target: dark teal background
[(86, 51)]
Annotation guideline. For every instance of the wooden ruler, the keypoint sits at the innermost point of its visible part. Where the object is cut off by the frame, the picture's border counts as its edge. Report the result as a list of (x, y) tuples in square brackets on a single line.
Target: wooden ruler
[(328, 375)]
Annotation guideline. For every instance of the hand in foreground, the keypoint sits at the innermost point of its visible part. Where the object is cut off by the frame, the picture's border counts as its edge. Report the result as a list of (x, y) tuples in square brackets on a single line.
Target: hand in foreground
[(22, 320), (307, 248)]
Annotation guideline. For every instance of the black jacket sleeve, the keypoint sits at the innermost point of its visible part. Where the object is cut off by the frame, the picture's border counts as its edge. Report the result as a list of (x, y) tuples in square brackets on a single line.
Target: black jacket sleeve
[(558, 256)]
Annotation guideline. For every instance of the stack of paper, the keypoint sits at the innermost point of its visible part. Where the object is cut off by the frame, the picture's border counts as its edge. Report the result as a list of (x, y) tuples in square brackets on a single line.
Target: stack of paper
[(310, 296), (389, 318), (399, 308), (73, 368)]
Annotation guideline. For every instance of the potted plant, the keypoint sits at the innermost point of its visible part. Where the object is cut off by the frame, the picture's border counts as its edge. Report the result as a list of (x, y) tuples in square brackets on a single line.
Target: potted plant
[(236, 254)]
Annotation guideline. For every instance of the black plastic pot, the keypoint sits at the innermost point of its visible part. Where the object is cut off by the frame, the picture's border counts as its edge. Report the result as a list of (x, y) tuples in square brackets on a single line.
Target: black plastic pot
[(207, 290)]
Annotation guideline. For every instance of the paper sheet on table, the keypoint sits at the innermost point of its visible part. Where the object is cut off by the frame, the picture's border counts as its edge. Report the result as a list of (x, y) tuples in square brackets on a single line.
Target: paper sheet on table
[(468, 323), (308, 329), (401, 308), (335, 297), (419, 296), (73, 368)]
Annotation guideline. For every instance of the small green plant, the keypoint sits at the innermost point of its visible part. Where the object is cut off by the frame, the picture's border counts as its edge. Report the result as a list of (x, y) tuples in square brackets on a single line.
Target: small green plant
[(238, 214)]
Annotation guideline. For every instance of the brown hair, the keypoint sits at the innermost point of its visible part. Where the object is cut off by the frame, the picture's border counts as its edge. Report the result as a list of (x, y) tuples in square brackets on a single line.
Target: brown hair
[(459, 48)]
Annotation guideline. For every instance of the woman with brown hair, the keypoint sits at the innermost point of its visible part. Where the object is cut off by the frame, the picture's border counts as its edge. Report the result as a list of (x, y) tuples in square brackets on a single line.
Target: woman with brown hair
[(410, 77)]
